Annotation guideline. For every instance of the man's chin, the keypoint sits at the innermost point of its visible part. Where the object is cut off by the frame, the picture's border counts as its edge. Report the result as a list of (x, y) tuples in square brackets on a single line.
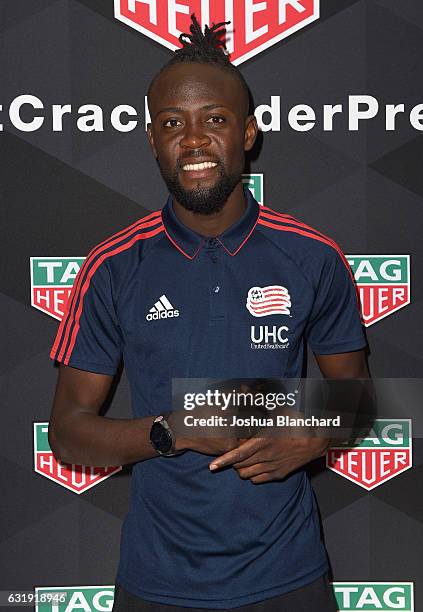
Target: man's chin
[(198, 188), (203, 198)]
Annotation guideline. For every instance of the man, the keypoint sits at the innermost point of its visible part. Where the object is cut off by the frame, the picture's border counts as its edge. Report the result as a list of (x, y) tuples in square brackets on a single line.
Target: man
[(178, 295)]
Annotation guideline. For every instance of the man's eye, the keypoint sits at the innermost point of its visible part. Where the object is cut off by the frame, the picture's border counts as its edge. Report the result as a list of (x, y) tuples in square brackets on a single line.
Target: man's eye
[(171, 123), (216, 119)]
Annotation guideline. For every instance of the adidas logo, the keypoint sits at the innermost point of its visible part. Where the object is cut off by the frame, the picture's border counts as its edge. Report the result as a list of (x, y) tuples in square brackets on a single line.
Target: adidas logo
[(162, 309)]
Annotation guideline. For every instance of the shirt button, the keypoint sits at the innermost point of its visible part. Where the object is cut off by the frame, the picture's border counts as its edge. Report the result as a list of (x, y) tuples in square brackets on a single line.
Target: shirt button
[(214, 259), (216, 289)]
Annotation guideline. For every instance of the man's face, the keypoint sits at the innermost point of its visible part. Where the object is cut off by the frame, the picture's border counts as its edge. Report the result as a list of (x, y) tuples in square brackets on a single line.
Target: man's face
[(199, 133)]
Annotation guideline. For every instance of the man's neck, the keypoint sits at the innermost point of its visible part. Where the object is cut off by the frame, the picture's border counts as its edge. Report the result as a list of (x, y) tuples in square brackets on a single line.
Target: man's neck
[(216, 223)]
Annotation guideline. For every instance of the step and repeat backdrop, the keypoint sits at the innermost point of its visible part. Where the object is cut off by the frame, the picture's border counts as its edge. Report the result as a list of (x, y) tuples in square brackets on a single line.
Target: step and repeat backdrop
[(338, 96)]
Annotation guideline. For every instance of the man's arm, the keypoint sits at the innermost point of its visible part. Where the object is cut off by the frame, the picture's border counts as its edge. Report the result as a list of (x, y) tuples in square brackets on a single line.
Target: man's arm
[(341, 366), (79, 434), (344, 365)]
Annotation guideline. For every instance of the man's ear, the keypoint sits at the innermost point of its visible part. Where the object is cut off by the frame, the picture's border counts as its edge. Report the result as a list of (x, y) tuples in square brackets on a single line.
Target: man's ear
[(151, 139), (250, 135)]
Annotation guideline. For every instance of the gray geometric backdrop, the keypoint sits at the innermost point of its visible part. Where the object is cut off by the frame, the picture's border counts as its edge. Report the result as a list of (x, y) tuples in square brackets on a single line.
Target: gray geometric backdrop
[(62, 192)]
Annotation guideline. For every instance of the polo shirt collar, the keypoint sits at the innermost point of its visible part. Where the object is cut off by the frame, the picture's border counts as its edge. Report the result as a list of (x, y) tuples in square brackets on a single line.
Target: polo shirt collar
[(232, 239)]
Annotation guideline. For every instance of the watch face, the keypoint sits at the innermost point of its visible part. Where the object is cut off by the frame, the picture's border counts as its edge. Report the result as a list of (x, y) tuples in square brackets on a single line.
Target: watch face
[(160, 438)]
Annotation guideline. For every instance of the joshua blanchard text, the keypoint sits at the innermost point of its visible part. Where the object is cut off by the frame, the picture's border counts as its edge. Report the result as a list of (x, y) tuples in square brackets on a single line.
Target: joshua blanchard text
[(253, 421)]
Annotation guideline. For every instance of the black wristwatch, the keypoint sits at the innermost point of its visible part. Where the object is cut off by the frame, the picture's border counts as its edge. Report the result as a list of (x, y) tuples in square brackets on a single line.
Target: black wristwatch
[(162, 437)]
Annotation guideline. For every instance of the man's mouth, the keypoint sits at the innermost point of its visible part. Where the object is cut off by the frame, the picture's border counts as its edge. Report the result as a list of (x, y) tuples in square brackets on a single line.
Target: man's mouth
[(198, 167)]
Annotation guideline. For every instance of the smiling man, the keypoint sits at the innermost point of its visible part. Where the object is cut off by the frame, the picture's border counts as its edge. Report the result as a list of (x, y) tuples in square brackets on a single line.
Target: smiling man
[(202, 177), (179, 294), (199, 133)]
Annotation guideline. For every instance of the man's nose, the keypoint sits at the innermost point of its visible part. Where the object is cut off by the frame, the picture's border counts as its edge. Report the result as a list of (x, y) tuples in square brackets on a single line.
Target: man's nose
[(194, 137)]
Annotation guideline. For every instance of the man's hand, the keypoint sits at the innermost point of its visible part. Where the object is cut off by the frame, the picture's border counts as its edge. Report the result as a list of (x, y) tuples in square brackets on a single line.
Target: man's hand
[(207, 439), (265, 459), (208, 446)]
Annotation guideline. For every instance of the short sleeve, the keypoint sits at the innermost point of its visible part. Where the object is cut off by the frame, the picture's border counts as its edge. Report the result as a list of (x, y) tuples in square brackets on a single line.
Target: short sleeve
[(89, 337), (334, 324)]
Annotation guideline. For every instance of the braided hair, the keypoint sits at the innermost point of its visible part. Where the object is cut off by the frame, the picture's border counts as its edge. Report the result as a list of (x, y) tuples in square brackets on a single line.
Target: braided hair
[(205, 48)]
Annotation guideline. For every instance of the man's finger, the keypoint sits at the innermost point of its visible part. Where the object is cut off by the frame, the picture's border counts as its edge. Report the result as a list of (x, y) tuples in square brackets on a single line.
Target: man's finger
[(240, 453), (253, 470), (265, 477), (257, 457)]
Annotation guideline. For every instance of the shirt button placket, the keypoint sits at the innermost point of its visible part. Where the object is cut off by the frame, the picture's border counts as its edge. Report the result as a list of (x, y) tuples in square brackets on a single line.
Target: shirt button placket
[(217, 309)]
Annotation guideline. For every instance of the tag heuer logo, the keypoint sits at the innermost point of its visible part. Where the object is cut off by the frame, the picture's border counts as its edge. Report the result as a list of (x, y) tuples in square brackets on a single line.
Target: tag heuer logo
[(371, 461), (380, 596), (77, 478), (254, 27), (51, 283), (73, 598), (383, 282)]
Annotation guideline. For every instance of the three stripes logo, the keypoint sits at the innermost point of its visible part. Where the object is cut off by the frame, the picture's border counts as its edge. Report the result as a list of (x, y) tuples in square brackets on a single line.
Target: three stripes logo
[(162, 309)]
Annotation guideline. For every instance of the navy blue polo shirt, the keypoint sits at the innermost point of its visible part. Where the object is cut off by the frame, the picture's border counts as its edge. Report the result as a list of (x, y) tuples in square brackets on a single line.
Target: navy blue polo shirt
[(175, 304)]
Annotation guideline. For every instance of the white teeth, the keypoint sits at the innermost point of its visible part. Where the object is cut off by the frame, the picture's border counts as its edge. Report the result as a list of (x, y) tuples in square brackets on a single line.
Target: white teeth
[(201, 166)]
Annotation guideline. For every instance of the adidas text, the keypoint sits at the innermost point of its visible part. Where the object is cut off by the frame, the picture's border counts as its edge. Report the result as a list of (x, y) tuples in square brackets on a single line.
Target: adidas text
[(164, 314)]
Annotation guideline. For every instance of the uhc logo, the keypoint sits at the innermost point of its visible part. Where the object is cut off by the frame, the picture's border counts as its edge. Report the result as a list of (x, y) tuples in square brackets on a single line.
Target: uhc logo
[(254, 27)]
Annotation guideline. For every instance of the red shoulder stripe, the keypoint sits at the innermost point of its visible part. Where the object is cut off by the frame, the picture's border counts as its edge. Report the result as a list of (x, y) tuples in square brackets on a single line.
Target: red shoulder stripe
[(317, 236), (63, 330), (273, 214), (94, 267), (314, 234), (265, 208), (303, 232), (97, 249)]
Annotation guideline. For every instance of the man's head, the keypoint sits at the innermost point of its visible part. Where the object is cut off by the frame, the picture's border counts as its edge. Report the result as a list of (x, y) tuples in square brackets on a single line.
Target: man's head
[(200, 127)]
